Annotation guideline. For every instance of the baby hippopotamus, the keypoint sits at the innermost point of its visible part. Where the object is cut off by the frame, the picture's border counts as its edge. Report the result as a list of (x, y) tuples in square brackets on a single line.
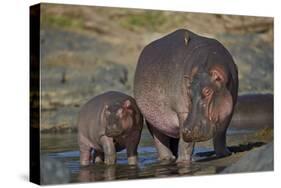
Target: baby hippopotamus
[(109, 123)]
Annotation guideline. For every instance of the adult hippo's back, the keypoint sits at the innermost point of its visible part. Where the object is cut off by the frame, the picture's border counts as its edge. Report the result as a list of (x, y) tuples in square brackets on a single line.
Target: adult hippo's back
[(186, 87)]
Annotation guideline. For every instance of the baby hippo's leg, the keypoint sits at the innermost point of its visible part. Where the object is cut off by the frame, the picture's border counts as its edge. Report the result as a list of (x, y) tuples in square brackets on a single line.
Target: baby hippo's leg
[(132, 155), (109, 150), (85, 155), (98, 156), (132, 148)]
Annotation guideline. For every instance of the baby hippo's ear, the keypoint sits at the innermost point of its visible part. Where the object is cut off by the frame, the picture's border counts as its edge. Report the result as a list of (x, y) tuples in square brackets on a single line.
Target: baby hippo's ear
[(127, 104), (127, 110)]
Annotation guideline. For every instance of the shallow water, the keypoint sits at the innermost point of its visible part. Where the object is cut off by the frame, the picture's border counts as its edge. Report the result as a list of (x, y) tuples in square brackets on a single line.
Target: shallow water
[(64, 148)]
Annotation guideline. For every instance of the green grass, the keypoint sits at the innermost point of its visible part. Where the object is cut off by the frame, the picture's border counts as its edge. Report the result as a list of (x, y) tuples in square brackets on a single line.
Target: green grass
[(149, 20), (61, 21)]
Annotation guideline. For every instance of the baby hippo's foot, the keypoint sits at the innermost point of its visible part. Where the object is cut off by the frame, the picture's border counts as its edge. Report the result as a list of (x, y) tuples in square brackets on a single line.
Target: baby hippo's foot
[(132, 160), (85, 158), (98, 157), (84, 162), (98, 160)]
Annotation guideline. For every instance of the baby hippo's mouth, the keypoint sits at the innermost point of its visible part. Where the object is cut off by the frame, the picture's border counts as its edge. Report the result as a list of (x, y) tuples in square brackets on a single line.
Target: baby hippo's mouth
[(113, 133)]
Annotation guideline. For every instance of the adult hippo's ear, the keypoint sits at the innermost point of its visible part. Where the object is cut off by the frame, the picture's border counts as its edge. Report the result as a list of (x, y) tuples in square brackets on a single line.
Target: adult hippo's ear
[(221, 103), (218, 75)]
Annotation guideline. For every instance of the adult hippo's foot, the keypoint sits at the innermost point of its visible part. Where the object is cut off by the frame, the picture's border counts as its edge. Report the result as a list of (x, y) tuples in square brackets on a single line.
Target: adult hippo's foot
[(223, 153), (185, 151), (220, 146), (219, 140)]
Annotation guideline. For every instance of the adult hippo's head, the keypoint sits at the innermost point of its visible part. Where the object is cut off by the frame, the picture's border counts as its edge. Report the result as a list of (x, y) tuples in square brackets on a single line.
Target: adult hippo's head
[(118, 118), (211, 102)]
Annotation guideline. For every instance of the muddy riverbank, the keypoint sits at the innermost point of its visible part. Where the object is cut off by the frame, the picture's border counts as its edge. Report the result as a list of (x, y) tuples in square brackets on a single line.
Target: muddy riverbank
[(64, 149)]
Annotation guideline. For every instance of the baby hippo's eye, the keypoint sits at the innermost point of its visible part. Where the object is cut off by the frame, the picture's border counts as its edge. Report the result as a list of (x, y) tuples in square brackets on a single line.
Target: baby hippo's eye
[(107, 113), (207, 91)]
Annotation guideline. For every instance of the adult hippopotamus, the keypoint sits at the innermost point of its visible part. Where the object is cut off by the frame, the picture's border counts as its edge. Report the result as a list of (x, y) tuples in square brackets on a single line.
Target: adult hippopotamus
[(186, 88), (109, 123)]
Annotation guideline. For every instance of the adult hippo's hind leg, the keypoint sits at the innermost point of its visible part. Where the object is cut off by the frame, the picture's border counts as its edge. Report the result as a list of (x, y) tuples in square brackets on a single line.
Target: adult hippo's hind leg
[(162, 144), (219, 140), (174, 144)]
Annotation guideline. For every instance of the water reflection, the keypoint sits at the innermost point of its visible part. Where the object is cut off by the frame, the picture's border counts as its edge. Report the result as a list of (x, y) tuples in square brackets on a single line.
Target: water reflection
[(65, 149), (113, 172), (107, 173)]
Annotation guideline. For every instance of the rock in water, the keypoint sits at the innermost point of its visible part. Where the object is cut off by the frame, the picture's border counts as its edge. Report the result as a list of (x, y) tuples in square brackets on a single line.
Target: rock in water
[(260, 159), (53, 171)]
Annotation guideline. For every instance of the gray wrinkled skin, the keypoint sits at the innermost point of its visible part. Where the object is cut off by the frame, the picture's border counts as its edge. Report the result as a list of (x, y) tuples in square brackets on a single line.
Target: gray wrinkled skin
[(108, 123), (186, 88)]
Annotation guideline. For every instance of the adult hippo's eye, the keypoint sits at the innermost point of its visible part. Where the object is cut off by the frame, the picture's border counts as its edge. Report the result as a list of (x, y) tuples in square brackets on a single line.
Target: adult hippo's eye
[(207, 91)]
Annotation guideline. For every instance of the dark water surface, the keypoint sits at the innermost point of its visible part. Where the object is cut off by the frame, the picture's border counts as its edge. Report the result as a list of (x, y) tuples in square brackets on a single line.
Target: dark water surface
[(64, 148)]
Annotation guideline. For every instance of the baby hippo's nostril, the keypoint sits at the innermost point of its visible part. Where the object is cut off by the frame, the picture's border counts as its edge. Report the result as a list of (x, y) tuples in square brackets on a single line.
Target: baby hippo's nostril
[(187, 130)]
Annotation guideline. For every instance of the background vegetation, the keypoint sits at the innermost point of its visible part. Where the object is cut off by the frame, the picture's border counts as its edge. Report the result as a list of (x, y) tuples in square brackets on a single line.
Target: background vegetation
[(88, 50)]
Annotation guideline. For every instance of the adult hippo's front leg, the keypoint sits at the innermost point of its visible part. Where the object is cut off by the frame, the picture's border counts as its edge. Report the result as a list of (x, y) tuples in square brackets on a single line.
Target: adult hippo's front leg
[(185, 149), (219, 140)]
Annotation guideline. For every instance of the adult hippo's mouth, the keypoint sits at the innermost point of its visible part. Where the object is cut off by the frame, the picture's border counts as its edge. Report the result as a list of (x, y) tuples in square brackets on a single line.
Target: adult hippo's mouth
[(198, 133)]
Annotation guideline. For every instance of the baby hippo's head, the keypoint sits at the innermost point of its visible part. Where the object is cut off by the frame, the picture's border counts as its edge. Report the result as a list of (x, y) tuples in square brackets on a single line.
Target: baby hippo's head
[(118, 118)]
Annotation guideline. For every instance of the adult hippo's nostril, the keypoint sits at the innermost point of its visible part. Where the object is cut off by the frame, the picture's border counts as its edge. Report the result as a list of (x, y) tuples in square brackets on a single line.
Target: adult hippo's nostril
[(204, 122), (114, 126), (187, 134)]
